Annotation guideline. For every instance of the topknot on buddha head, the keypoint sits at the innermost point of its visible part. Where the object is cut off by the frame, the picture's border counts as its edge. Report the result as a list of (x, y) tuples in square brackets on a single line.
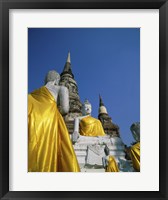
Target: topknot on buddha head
[(52, 76)]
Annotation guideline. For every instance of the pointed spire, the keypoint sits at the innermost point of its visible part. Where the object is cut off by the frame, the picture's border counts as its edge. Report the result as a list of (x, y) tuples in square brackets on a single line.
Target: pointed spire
[(100, 101), (102, 108), (67, 66), (69, 57)]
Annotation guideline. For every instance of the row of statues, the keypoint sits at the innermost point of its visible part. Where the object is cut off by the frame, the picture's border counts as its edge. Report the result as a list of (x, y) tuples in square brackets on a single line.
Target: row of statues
[(50, 147)]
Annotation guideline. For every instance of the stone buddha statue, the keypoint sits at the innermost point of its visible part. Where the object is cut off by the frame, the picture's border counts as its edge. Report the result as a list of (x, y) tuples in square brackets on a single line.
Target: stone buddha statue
[(87, 125), (49, 146)]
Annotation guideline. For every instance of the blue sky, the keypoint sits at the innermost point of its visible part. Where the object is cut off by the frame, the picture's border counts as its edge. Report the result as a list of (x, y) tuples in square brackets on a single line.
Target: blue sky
[(104, 61)]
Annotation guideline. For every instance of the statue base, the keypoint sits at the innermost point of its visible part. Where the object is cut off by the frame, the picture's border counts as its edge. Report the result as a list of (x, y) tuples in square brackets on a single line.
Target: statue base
[(91, 150)]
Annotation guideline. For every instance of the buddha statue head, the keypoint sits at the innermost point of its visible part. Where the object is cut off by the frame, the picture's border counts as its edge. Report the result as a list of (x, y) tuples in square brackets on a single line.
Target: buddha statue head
[(135, 129), (52, 76), (86, 108)]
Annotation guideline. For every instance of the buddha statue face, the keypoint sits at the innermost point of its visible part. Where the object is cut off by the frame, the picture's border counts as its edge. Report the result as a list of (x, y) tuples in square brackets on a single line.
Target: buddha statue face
[(135, 129), (86, 108)]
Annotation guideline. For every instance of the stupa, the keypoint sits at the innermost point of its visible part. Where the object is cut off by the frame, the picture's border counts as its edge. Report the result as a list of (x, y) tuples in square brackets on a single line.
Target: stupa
[(109, 127), (67, 79)]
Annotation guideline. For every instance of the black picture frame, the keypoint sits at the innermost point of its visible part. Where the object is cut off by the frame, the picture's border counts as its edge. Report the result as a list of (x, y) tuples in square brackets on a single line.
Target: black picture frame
[(5, 6)]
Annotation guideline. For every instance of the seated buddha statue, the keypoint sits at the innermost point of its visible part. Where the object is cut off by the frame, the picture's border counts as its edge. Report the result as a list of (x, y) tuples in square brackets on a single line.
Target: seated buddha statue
[(49, 146), (87, 125)]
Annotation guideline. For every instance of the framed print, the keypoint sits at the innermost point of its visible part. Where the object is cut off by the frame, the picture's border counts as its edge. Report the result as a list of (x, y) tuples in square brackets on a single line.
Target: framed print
[(83, 87)]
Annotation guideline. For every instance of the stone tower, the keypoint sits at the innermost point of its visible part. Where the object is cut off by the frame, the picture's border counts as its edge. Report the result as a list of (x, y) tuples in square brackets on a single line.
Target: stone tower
[(109, 127), (67, 80)]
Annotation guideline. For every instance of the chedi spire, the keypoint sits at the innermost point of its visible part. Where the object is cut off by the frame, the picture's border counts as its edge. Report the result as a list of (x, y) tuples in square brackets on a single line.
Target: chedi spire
[(69, 57), (67, 67), (102, 108), (100, 101), (75, 106), (109, 127)]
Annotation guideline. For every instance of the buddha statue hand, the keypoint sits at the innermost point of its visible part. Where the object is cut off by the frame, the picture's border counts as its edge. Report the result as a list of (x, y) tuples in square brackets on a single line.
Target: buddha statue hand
[(75, 136)]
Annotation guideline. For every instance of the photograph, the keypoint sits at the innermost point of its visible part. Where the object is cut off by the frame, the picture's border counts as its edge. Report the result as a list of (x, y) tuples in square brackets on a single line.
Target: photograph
[(84, 89), (83, 100)]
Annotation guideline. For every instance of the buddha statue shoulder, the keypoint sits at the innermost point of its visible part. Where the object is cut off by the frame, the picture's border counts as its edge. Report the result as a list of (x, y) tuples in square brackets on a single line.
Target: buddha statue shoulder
[(87, 125)]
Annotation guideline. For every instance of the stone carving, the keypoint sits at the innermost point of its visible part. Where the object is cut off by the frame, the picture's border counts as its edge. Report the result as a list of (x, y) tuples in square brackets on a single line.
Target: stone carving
[(92, 152), (94, 155)]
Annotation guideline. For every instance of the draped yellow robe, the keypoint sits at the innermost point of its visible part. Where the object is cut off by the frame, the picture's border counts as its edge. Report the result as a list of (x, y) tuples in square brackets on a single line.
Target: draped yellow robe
[(135, 156), (112, 165), (49, 145), (90, 126)]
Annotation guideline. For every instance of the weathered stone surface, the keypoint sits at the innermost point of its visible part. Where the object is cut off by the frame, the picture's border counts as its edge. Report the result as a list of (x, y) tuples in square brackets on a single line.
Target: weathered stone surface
[(109, 127), (67, 80), (74, 100), (95, 153), (91, 150)]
